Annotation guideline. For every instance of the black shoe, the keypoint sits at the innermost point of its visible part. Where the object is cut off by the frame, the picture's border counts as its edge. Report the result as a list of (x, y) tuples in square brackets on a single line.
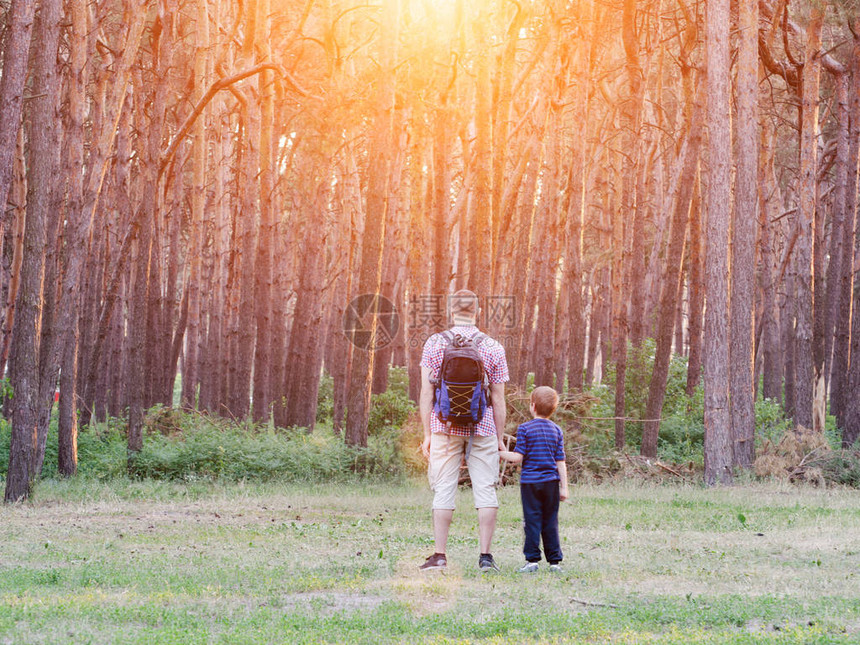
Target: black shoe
[(436, 561), (486, 563)]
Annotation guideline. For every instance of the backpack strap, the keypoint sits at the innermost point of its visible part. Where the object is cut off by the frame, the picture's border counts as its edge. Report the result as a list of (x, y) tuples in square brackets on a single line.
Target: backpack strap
[(448, 337)]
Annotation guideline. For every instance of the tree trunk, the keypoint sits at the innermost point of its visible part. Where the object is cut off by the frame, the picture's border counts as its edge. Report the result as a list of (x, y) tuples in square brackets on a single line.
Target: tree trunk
[(305, 353), (26, 450), (718, 448), (19, 30), (697, 291), (619, 323), (263, 270), (376, 216), (808, 366), (680, 203), (742, 334), (770, 343), (842, 340)]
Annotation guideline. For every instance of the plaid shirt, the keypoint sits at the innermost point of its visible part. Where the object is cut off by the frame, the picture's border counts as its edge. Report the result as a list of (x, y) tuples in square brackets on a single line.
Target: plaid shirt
[(495, 364)]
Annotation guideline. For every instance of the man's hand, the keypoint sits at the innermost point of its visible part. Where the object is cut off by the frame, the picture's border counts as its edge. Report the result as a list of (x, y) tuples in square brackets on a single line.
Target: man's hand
[(425, 447), (563, 493), (502, 447)]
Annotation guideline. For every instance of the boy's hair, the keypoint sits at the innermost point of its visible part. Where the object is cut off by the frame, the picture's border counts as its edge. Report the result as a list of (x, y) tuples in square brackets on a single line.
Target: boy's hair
[(545, 400), (464, 303)]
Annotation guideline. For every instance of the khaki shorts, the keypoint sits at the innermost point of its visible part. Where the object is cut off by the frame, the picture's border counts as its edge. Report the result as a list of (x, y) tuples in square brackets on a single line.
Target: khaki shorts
[(446, 455)]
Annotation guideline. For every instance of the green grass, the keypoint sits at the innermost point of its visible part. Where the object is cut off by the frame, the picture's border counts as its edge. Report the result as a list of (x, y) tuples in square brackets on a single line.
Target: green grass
[(217, 562)]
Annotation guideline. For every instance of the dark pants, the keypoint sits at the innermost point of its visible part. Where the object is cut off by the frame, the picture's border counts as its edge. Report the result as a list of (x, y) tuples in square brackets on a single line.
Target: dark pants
[(540, 517)]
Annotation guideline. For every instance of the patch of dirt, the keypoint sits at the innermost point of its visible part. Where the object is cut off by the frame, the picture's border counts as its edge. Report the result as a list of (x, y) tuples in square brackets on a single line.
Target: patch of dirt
[(425, 592)]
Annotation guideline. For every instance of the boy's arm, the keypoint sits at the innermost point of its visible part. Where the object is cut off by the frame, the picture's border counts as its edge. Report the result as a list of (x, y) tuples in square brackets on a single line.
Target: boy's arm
[(513, 457), (562, 483)]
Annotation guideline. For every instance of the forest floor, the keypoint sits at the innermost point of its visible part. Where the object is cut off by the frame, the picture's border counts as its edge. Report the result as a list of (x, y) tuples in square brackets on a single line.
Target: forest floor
[(154, 562)]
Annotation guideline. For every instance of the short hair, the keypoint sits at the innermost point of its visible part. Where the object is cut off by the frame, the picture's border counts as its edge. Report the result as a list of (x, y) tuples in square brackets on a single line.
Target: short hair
[(464, 303), (545, 400)]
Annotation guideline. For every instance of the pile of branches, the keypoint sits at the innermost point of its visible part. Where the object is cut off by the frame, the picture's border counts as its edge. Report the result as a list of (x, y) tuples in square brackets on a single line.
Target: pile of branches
[(806, 456), (622, 465)]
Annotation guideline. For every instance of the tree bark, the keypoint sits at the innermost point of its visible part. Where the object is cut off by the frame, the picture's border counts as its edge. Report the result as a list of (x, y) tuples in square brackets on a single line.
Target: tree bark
[(19, 31), (680, 203), (376, 216), (745, 217), (717, 449), (809, 361)]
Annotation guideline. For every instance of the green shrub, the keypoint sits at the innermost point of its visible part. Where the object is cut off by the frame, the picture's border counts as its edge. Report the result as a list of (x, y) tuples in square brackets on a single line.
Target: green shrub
[(388, 410), (186, 447), (101, 449), (325, 399), (217, 449)]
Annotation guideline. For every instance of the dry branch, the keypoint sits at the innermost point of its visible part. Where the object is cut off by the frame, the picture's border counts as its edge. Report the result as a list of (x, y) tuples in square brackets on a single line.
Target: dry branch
[(216, 87)]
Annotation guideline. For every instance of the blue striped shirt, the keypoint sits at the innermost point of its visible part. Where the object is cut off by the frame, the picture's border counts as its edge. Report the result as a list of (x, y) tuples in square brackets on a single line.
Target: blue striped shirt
[(541, 443)]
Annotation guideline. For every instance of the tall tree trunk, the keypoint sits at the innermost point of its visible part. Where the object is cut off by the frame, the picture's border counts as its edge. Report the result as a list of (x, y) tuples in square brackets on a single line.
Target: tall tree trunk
[(44, 196), (742, 346), (263, 270), (770, 337), (680, 203), (809, 365), (697, 291), (16, 231), (305, 354), (619, 321), (190, 375), (24, 361), (481, 248), (837, 228), (718, 448), (19, 31), (842, 337), (376, 215)]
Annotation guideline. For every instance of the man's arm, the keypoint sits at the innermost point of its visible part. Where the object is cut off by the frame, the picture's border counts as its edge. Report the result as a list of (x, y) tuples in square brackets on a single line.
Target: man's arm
[(562, 483), (500, 411), (425, 408)]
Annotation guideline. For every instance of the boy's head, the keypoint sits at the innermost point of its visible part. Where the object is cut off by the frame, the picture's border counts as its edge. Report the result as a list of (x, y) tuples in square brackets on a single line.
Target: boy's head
[(544, 401), (463, 307)]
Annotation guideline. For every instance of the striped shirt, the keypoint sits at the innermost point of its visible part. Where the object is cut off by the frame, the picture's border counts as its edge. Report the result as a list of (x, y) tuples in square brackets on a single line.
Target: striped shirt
[(495, 365), (541, 443)]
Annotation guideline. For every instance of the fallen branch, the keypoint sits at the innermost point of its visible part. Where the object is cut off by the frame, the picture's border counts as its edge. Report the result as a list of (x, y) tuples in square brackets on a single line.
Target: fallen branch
[(634, 464), (588, 603), (673, 471)]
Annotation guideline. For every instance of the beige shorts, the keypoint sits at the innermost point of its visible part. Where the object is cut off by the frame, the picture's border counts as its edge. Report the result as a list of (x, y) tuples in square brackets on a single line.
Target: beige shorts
[(446, 455)]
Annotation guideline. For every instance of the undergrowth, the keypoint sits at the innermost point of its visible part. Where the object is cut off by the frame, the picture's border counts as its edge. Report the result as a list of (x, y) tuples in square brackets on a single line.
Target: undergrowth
[(187, 446)]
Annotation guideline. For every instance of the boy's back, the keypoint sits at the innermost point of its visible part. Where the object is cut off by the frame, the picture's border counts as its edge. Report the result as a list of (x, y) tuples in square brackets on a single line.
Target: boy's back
[(541, 443)]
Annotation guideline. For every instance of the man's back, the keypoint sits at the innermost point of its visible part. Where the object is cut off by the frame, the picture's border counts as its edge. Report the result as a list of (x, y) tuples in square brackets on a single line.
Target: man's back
[(495, 365)]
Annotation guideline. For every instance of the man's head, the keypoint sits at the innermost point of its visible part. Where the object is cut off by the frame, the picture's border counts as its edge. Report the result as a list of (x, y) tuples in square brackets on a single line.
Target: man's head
[(463, 307), (544, 401)]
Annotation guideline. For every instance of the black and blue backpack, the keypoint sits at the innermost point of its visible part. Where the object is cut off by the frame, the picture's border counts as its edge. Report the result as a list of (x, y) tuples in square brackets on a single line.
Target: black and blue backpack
[(461, 389)]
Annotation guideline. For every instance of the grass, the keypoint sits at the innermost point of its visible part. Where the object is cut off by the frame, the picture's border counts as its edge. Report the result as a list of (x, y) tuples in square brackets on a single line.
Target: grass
[(170, 562)]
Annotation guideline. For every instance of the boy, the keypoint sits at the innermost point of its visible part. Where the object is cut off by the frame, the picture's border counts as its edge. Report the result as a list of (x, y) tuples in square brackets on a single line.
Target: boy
[(543, 481)]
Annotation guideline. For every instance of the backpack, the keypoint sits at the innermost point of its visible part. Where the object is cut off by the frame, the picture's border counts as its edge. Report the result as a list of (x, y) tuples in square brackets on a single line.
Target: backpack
[(461, 390)]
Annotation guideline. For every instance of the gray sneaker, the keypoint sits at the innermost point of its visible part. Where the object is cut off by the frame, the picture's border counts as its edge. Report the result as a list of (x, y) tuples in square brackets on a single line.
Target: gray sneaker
[(556, 568), (437, 561), (530, 567), (486, 563)]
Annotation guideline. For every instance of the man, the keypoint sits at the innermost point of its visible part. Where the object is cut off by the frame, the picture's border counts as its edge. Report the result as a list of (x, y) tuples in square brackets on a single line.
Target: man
[(445, 444)]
